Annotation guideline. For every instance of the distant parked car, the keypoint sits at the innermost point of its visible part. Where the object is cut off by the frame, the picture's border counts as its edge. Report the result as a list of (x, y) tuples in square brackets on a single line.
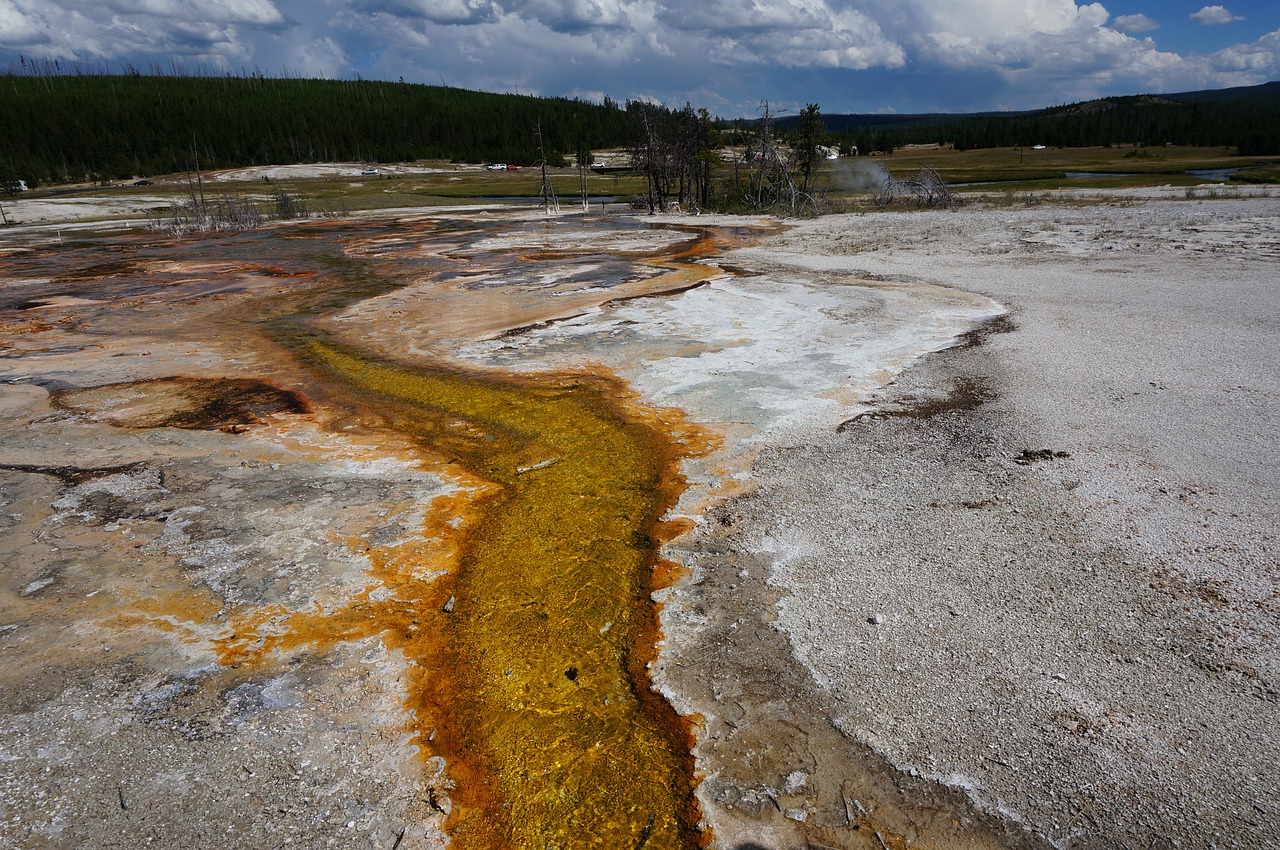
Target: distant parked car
[(1037, 147), (513, 168), (498, 166), (144, 182), (369, 172)]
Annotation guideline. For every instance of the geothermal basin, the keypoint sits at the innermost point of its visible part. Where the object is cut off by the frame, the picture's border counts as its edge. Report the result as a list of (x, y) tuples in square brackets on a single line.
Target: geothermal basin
[(495, 529)]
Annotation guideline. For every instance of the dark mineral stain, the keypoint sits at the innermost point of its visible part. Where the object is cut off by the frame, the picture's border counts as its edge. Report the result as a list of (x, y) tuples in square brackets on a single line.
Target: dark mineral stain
[(98, 506), (1030, 456), (197, 404), (1001, 324), (72, 476), (966, 394), (98, 271)]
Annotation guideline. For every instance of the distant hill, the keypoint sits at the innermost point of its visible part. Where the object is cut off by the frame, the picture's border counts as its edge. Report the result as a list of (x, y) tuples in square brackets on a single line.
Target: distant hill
[(1246, 117), (1267, 94), (71, 127)]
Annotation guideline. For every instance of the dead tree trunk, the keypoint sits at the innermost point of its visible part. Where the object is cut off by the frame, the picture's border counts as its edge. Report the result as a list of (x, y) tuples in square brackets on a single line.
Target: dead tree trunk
[(774, 184), (204, 207), (549, 202)]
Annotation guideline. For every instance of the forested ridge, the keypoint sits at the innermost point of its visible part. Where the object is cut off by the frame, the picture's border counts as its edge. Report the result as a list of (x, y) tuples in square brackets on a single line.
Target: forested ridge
[(71, 127), (1247, 118), (57, 127)]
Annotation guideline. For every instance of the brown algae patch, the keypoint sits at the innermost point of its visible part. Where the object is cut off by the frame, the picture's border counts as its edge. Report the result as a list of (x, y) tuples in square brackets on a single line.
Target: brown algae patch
[(530, 663)]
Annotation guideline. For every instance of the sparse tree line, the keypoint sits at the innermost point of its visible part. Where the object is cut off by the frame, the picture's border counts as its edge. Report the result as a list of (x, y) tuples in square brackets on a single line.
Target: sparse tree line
[(1252, 127), (678, 153), (675, 151)]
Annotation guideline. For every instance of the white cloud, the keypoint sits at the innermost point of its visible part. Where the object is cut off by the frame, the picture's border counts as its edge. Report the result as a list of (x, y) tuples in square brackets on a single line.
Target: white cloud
[(1210, 15), (19, 27), (1261, 58), (384, 28), (1136, 23), (574, 15), (723, 53), (734, 16), (657, 47), (790, 33), (1007, 36), (1000, 21), (322, 57), (258, 12), (209, 34), (433, 11)]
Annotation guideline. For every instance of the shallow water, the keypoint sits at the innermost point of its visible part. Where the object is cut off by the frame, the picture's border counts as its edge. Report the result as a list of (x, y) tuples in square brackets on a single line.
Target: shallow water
[(539, 684)]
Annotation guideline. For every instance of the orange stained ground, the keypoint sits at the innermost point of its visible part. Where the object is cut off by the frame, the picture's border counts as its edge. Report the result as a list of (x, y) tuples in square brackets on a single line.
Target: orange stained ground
[(533, 684)]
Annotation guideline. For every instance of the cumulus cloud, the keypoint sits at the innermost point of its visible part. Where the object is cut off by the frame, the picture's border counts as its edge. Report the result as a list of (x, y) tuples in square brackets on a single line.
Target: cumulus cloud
[(791, 33), (321, 57), (1001, 20), (1004, 33), (20, 27), (257, 12), (1210, 15), (1050, 44), (1261, 58), (433, 11), (363, 30), (208, 32), (1136, 23), (728, 53), (574, 16), (736, 16)]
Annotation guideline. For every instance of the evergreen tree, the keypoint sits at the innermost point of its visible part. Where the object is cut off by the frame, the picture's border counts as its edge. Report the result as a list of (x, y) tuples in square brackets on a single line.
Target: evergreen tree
[(812, 132)]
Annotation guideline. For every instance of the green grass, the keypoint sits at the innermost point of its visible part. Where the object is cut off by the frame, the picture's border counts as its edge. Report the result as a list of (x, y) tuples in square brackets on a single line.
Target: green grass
[(1131, 181), (392, 191), (1027, 170), (1266, 174), (1008, 170), (453, 187)]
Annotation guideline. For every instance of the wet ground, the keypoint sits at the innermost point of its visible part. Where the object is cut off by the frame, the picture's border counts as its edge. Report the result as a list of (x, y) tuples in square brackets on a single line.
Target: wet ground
[(203, 484)]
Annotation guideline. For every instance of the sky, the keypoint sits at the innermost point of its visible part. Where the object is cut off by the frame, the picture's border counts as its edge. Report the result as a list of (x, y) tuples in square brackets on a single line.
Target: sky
[(868, 56)]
